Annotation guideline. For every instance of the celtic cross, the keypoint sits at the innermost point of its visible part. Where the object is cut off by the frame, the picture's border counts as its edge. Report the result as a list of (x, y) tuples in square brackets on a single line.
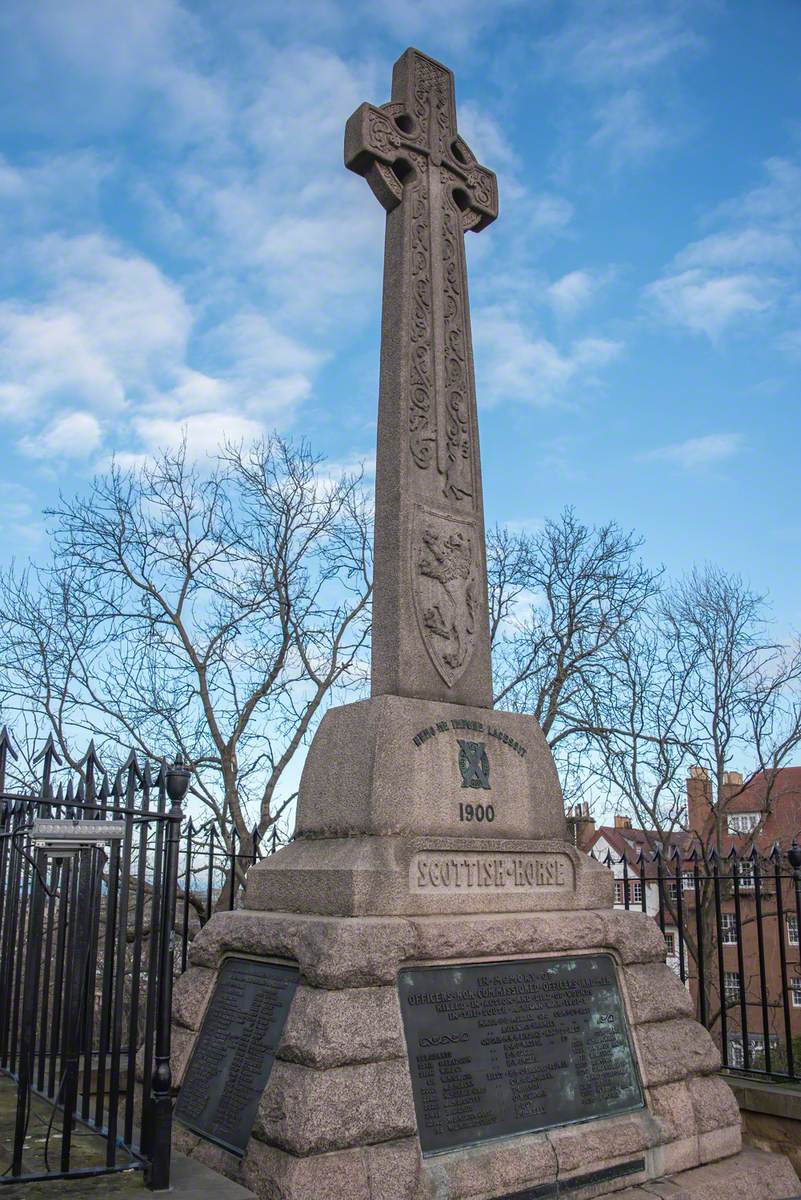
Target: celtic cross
[(430, 614)]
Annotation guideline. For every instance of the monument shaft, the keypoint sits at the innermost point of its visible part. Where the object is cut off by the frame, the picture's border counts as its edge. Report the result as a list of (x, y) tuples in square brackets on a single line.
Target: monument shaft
[(430, 617)]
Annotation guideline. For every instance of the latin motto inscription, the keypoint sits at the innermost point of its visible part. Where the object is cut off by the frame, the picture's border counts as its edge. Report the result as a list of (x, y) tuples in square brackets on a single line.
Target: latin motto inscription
[(440, 871), (497, 1049), (235, 1049), (462, 724)]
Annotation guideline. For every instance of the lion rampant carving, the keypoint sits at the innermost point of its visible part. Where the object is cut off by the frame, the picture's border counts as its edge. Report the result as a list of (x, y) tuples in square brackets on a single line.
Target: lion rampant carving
[(447, 560)]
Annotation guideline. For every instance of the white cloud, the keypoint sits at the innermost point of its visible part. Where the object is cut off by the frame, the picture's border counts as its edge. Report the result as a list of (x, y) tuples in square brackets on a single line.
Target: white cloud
[(452, 23), (739, 248), (574, 291), (75, 435), (747, 268), (485, 137), (615, 49), (608, 41), (515, 363), (707, 304), (19, 515), (627, 129), (204, 432), (698, 452), (546, 210), (110, 324)]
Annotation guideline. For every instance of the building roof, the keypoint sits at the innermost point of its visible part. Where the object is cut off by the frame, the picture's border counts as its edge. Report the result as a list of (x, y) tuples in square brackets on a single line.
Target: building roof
[(777, 794)]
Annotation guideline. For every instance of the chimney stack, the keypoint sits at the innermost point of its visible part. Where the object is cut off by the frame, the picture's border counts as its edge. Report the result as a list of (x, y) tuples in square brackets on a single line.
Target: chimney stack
[(622, 822), (699, 802), (580, 825)]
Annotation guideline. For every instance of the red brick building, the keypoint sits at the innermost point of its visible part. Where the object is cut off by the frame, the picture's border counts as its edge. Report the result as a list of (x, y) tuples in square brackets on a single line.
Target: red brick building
[(747, 913)]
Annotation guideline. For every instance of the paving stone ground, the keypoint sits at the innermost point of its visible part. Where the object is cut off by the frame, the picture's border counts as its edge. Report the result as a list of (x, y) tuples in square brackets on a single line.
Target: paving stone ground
[(190, 1180)]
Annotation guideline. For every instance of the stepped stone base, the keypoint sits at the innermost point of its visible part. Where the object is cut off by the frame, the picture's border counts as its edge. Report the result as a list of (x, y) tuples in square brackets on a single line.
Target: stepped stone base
[(749, 1174), (337, 1121)]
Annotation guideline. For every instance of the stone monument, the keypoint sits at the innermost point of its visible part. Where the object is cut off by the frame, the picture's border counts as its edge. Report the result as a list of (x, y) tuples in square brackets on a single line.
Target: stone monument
[(429, 995)]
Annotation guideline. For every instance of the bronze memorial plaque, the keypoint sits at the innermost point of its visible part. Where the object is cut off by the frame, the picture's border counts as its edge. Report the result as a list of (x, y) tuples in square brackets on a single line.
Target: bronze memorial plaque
[(234, 1051), (502, 1048)]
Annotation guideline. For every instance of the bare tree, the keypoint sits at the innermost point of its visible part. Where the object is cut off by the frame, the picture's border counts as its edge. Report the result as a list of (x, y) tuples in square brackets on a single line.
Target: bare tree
[(211, 610), (701, 688), (702, 683), (562, 601)]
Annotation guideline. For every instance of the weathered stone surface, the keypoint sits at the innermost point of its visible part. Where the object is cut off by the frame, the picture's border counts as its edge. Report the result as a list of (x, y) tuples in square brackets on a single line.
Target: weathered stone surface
[(491, 1169), (714, 1103), (485, 936), (381, 876), (656, 993), (394, 1170), (672, 1106), (682, 1154), (749, 1175), (719, 1143), (430, 613), (190, 996), (635, 935), (365, 775), (335, 1029), (331, 952), (275, 1175), (306, 1111), (183, 1041), (671, 1050), (580, 1147)]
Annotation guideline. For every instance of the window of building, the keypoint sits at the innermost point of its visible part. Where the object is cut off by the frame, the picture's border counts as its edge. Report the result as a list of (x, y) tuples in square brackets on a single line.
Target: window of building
[(742, 822), (688, 881), (636, 891), (795, 991), (619, 892), (670, 942), (736, 1055), (745, 873), (731, 987), (792, 929), (728, 929), (671, 889)]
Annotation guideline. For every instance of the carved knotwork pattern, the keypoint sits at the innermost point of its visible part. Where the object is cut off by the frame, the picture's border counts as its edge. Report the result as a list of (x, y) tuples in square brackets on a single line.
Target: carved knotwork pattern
[(422, 415), (431, 94), (458, 457), (383, 136)]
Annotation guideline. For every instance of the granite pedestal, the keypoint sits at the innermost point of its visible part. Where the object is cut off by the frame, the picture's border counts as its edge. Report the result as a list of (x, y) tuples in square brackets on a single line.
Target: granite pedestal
[(354, 907)]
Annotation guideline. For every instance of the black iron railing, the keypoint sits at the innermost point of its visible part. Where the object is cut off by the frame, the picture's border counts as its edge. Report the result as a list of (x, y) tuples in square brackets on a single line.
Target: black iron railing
[(731, 923), (90, 940), (86, 967)]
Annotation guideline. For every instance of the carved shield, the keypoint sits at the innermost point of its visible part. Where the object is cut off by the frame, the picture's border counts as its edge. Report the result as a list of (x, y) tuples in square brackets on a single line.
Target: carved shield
[(445, 588)]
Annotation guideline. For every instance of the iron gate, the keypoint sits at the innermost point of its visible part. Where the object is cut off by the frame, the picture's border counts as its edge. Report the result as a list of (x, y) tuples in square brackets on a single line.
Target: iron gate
[(86, 970)]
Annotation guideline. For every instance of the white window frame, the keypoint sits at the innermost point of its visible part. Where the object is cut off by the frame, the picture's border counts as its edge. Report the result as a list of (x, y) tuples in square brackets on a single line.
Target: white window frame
[(745, 874), (670, 942), (728, 925), (635, 894), (687, 881), (736, 1053), (795, 991), (731, 987), (742, 823), (792, 929)]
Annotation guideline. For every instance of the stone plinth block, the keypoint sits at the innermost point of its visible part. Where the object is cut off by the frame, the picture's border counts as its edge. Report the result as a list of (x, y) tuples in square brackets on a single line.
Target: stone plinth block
[(337, 1118), (395, 766), (377, 876)]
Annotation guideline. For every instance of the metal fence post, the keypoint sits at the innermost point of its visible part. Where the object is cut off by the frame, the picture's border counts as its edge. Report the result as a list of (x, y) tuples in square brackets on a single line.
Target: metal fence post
[(158, 1175)]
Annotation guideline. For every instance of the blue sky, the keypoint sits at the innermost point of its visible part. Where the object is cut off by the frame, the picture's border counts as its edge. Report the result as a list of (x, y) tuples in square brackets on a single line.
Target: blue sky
[(181, 248)]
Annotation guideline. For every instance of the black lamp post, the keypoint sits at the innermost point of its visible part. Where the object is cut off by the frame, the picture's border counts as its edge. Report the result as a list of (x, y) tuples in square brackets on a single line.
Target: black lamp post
[(177, 780)]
